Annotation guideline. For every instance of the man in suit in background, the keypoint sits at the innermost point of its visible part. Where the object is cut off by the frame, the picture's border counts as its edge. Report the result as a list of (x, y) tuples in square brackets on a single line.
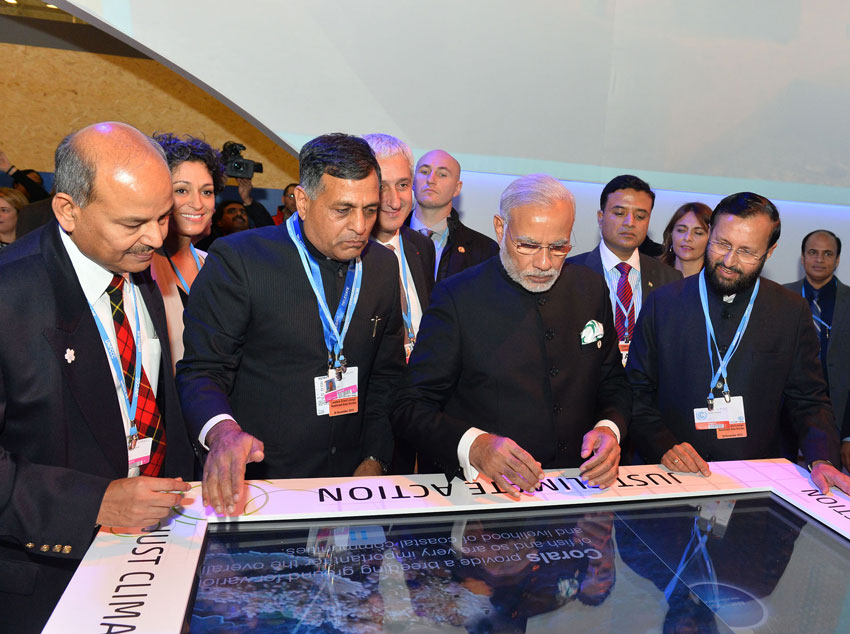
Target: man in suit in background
[(294, 335), (71, 454), (516, 366), (625, 207), (396, 161), (717, 356), (829, 301), (435, 183), (415, 252)]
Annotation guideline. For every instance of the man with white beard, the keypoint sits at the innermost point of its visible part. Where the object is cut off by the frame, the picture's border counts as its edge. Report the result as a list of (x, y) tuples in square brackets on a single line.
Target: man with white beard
[(516, 368)]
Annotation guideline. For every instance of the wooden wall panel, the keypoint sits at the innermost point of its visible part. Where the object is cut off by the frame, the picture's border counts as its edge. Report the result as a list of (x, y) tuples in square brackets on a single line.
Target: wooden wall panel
[(46, 93)]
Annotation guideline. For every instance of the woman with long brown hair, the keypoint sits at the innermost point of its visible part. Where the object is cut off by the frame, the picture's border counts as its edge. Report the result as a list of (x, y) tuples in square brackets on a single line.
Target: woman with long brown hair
[(686, 238)]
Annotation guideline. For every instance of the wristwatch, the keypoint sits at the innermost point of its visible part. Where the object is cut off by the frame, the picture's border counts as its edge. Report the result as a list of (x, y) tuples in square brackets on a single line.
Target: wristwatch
[(384, 466)]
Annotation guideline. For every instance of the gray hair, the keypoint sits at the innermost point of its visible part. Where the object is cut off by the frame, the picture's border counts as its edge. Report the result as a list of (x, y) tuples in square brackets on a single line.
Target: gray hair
[(75, 169), (387, 146), (534, 189)]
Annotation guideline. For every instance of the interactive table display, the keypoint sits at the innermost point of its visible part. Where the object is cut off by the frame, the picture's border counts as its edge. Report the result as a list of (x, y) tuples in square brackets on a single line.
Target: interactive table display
[(746, 550)]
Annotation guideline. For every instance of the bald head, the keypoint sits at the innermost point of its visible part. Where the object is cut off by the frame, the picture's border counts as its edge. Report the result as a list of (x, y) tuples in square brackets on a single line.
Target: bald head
[(436, 182), (113, 195), (104, 147)]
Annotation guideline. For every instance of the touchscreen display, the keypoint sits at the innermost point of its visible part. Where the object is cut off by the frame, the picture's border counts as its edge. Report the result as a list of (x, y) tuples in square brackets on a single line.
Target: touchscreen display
[(697, 565)]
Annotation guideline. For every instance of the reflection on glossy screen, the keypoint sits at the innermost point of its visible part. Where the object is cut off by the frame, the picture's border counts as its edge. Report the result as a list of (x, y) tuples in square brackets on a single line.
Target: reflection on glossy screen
[(703, 565)]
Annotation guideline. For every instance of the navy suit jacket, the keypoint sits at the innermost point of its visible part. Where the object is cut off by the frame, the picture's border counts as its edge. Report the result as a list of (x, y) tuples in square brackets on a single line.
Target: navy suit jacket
[(653, 273), (61, 432), (419, 253), (775, 367), (837, 354)]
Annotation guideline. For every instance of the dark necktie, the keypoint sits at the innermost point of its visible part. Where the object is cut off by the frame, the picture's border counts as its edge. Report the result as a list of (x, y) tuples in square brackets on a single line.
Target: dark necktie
[(816, 311), (624, 293), (148, 420), (425, 231)]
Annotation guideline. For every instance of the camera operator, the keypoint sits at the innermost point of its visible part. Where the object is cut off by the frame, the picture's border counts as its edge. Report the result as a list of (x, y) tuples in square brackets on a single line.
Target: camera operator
[(232, 216)]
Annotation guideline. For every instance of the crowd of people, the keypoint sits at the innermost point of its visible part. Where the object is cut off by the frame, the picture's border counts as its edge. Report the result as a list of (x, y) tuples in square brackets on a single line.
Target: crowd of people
[(364, 329)]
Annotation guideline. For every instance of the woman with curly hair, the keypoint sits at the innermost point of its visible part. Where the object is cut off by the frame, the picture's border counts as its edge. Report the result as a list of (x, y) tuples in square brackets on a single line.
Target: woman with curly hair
[(197, 175), (686, 238)]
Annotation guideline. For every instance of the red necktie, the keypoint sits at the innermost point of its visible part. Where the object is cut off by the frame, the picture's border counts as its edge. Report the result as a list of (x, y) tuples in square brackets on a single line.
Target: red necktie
[(624, 294), (148, 420)]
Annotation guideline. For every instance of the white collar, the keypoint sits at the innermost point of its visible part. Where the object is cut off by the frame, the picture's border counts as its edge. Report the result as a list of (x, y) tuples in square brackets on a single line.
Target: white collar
[(92, 276), (609, 260), (392, 241), (416, 224)]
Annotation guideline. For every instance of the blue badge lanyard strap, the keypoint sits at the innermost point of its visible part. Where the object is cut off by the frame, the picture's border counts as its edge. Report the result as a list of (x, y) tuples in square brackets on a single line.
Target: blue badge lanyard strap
[(115, 359), (626, 312), (180, 278), (696, 548), (406, 311), (334, 337), (712, 340), (816, 318)]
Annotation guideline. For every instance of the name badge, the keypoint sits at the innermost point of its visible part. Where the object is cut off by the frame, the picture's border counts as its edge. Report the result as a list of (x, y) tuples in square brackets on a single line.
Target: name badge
[(624, 351), (140, 452), (408, 349), (336, 396), (726, 418)]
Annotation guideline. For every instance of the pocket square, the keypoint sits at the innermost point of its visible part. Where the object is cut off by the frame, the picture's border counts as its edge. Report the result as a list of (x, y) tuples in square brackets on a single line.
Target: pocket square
[(591, 332)]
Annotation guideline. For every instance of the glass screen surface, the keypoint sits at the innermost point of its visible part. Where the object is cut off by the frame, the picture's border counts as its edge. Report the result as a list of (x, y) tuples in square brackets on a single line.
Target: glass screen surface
[(698, 565)]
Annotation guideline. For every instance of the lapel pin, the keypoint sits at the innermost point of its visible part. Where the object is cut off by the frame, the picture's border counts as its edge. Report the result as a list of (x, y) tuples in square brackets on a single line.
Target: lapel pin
[(599, 344), (69, 355), (461, 250), (649, 284)]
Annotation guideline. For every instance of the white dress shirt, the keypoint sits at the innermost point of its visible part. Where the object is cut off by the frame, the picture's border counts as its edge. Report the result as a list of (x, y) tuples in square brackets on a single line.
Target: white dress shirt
[(612, 276), (94, 280), (410, 287), (439, 237)]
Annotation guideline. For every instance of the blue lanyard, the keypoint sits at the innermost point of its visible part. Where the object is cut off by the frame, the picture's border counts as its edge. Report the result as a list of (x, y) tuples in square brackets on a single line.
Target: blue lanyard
[(736, 340), (815, 317), (406, 311), (115, 360), (334, 338), (697, 549), (626, 313), (180, 278)]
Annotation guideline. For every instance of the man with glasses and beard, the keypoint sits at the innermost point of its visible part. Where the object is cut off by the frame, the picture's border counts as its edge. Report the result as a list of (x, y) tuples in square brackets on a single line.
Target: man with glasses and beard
[(516, 366), (718, 355)]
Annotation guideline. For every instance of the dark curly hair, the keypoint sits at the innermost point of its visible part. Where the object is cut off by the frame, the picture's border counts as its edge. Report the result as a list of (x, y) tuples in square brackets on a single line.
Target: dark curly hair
[(189, 148)]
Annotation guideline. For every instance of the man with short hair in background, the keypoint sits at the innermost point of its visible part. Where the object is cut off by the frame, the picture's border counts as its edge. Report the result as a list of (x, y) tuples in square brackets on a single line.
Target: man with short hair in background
[(829, 301), (516, 366), (625, 207), (435, 184), (414, 252)]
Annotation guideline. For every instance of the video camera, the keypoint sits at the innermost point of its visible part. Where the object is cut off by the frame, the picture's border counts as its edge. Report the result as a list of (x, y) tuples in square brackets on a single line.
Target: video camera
[(235, 164)]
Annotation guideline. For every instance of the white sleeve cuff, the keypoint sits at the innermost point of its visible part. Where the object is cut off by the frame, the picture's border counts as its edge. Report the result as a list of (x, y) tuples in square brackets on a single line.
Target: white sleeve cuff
[(463, 447), (846, 439), (215, 420), (610, 425)]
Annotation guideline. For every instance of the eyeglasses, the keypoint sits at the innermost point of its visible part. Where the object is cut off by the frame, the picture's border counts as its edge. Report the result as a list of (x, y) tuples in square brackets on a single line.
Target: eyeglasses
[(744, 255), (528, 248)]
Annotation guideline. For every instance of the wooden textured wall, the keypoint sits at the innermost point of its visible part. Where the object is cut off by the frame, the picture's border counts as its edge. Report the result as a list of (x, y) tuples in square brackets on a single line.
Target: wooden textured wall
[(46, 93)]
